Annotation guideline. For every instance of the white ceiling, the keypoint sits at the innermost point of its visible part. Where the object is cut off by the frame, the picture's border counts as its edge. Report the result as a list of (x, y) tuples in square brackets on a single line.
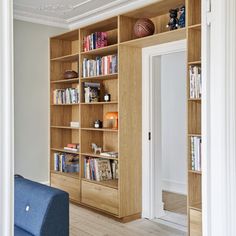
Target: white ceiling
[(70, 13)]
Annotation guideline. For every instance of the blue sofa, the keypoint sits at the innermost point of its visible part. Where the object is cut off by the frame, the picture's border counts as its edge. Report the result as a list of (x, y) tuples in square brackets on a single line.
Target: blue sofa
[(40, 210)]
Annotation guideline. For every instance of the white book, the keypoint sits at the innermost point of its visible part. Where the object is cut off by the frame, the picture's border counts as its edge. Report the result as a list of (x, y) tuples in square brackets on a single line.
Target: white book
[(192, 153), (71, 149)]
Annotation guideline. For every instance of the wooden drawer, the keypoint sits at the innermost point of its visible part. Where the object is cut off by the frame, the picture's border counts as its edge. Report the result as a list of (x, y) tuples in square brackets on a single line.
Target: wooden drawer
[(101, 197), (195, 223), (68, 184)]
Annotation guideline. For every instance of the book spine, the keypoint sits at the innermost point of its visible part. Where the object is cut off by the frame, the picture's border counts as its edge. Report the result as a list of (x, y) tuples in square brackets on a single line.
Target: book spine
[(56, 162)]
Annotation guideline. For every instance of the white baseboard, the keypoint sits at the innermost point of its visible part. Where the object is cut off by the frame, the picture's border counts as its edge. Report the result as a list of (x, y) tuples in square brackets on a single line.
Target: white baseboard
[(174, 186)]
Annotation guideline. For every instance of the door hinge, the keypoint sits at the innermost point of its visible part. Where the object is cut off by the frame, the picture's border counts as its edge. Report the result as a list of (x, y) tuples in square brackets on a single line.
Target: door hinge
[(208, 12), (149, 135)]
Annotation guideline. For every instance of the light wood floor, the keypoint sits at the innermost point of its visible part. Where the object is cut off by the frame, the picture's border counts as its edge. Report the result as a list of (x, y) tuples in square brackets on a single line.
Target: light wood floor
[(174, 202), (84, 222)]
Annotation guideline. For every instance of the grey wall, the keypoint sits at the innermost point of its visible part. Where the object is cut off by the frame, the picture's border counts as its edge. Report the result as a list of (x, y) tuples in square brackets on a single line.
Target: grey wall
[(174, 122), (31, 68)]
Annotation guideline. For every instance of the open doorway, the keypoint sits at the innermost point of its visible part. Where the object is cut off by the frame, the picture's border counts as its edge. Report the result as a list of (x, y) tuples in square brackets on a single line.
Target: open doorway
[(165, 120)]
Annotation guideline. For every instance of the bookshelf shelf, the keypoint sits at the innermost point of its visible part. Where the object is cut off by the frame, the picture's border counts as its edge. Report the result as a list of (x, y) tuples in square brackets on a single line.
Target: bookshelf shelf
[(100, 77), (155, 39), (102, 51), (63, 127), (195, 172), (73, 175), (67, 58), (99, 103), (72, 104), (194, 99), (196, 26), (197, 207), (196, 135), (76, 80), (63, 150), (98, 156), (101, 129), (194, 63), (108, 183)]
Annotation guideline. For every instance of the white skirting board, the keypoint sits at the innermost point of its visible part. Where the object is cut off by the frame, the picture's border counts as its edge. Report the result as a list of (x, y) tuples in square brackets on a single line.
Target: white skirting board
[(174, 186)]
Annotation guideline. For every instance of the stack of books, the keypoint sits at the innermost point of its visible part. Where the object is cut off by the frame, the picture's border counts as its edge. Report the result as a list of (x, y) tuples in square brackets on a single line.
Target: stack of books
[(66, 96), (67, 163), (195, 84), (94, 41), (109, 154), (100, 66), (100, 169), (196, 143), (74, 147)]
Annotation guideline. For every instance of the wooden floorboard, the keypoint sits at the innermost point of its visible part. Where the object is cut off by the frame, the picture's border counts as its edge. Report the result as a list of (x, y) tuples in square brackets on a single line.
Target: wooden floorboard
[(174, 202), (84, 222)]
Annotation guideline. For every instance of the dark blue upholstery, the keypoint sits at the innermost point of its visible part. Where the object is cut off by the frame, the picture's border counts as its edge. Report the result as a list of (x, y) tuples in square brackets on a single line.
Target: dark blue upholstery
[(40, 210), (20, 232)]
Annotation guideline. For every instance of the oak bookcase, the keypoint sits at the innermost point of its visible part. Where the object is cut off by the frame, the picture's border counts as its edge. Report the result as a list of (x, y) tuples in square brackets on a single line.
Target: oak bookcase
[(118, 198)]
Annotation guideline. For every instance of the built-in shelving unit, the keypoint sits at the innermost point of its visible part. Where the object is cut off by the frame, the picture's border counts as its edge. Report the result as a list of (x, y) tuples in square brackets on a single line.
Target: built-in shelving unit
[(194, 120), (118, 197)]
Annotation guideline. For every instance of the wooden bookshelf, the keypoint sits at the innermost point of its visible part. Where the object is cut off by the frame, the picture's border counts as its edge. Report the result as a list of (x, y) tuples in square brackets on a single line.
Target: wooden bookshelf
[(118, 197), (193, 8)]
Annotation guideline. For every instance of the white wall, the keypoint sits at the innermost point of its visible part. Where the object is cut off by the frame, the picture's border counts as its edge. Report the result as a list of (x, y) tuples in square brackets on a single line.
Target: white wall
[(31, 67), (174, 122)]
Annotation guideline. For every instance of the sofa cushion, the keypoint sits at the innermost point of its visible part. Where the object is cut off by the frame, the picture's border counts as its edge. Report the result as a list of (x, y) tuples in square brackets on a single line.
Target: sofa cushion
[(20, 232), (40, 209)]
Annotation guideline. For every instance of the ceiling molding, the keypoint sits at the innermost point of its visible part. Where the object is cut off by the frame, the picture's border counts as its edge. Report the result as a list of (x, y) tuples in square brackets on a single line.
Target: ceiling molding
[(40, 19), (112, 9)]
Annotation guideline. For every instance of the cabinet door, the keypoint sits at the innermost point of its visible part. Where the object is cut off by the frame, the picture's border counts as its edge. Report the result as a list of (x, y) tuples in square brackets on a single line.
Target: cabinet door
[(67, 184), (101, 197)]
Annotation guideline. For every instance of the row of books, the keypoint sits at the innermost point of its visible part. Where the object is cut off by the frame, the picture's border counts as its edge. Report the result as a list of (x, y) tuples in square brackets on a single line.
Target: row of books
[(66, 96), (100, 66), (67, 163), (94, 41), (196, 143), (100, 169), (195, 82)]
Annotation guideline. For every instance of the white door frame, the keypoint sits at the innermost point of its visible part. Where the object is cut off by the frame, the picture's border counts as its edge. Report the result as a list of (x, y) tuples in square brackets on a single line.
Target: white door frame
[(150, 178), (6, 118), (219, 117)]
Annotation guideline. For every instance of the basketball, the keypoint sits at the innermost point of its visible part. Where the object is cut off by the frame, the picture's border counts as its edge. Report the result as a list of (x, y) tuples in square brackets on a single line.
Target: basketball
[(144, 27)]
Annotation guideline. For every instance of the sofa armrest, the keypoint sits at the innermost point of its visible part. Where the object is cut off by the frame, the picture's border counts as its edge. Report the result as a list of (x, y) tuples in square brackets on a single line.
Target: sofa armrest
[(41, 210)]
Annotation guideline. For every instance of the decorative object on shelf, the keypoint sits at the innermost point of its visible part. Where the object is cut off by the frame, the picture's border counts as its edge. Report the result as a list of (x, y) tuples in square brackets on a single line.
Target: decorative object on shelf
[(173, 22), (70, 74), (107, 97), (182, 17), (113, 116), (97, 124), (144, 27), (74, 124), (96, 148), (91, 92)]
